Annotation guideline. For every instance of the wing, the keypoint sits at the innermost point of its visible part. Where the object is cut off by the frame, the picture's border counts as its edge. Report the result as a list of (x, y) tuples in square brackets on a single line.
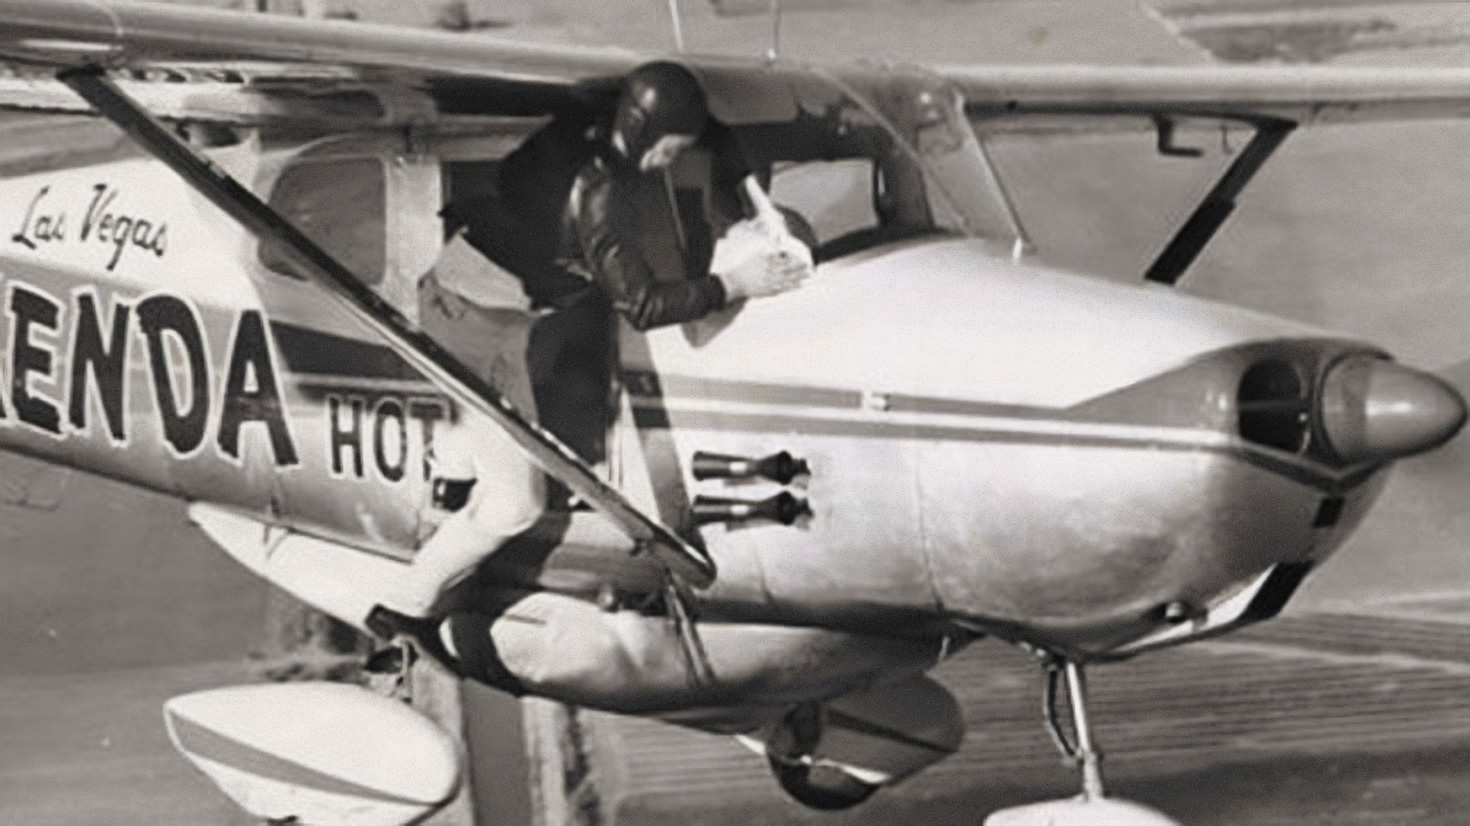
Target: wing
[(289, 67), (1082, 96), (276, 57)]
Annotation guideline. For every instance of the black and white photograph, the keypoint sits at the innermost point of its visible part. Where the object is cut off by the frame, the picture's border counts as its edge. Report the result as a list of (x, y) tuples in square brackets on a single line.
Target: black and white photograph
[(731, 412)]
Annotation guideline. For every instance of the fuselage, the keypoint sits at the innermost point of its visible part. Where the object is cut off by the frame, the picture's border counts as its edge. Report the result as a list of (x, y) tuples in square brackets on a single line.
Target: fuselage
[(991, 440), (1044, 455)]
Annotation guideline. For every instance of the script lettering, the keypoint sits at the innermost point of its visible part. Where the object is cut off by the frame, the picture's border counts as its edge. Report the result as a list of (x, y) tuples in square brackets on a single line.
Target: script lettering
[(121, 230), (40, 228)]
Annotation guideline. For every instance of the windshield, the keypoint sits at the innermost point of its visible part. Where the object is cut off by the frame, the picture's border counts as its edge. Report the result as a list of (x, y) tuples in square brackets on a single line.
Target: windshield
[(868, 157)]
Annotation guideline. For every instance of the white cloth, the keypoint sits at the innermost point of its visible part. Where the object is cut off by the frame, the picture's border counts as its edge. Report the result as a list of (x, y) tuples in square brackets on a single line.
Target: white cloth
[(466, 271), (765, 236)]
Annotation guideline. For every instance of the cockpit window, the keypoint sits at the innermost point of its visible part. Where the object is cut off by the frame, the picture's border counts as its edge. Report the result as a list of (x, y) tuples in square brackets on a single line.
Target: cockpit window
[(835, 197), (341, 204), (1273, 406), (903, 138)]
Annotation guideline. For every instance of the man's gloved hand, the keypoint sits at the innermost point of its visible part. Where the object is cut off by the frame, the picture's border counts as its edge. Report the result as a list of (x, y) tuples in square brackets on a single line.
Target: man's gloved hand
[(753, 264), (759, 256)]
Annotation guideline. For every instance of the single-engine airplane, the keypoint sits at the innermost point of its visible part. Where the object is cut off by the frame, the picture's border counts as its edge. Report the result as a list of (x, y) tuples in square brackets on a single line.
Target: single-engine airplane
[(792, 510)]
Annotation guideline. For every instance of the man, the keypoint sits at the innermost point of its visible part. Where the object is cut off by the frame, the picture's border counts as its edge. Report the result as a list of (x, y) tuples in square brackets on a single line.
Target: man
[(649, 243), (649, 250)]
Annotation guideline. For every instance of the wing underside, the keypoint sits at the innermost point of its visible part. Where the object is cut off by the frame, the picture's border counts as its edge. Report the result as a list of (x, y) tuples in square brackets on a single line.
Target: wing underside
[(188, 61)]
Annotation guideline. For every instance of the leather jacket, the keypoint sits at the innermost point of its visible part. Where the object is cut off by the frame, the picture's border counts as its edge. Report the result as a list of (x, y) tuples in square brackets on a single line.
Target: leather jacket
[(623, 232), (516, 222)]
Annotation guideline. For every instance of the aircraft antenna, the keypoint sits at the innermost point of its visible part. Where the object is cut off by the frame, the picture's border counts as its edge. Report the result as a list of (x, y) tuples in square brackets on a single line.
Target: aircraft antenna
[(775, 50), (678, 26)]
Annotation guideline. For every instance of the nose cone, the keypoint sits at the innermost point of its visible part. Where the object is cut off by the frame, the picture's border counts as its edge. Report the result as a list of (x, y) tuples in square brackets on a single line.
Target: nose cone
[(1374, 410)]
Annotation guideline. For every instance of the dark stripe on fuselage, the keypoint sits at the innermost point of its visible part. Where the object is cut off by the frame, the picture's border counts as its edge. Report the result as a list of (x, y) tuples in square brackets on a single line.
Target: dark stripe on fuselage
[(1288, 466), (315, 352), (901, 403), (643, 384)]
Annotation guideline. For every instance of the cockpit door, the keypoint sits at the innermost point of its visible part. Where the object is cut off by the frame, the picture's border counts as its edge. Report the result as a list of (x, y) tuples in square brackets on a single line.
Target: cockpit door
[(374, 205)]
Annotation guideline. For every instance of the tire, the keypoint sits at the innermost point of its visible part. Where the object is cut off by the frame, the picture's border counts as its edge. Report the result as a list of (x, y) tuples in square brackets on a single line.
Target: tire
[(825, 788)]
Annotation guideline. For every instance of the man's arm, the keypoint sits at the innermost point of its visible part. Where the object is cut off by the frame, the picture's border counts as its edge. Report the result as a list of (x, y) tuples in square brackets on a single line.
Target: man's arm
[(655, 304), (620, 267)]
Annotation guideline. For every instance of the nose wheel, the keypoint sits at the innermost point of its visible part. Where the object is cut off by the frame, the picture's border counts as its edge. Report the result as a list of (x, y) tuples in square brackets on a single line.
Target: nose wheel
[(1092, 807)]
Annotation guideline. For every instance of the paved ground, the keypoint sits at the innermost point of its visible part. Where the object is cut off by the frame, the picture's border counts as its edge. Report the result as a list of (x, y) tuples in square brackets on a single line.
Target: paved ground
[(1315, 719), (90, 749)]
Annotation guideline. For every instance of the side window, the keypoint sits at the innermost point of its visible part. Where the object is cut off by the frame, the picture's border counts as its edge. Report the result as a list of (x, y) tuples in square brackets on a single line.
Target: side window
[(836, 197), (341, 204)]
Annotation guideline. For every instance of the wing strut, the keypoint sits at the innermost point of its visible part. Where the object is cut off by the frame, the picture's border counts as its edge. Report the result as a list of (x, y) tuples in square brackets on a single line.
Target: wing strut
[(1208, 217), (425, 354)]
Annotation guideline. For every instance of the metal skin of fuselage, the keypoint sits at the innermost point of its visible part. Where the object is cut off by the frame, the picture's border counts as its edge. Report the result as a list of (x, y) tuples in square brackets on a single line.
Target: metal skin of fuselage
[(993, 446)]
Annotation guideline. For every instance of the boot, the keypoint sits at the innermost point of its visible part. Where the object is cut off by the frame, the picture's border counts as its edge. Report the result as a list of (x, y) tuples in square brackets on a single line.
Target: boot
[(423, 632)]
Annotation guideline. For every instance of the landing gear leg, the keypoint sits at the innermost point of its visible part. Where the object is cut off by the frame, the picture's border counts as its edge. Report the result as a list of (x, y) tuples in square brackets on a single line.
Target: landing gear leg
[(1092, 807), (1080, 747)]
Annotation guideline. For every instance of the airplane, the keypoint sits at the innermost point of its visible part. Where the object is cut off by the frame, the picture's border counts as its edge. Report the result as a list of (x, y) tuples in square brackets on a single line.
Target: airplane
[(795, 508)]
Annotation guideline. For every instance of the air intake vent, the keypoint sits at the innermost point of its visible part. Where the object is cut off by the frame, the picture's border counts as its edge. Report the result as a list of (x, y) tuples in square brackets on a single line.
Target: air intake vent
[(1273, 407)]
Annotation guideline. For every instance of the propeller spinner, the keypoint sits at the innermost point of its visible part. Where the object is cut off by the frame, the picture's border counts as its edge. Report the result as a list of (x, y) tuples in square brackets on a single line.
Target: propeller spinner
[(1375, 410)]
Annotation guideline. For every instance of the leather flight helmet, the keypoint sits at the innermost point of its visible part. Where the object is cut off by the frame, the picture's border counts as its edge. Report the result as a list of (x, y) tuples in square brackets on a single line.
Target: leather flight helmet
[(659, 99)]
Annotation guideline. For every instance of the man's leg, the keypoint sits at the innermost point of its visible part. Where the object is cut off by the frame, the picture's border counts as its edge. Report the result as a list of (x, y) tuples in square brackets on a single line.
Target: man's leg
[(506, 493), (507, 496)]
